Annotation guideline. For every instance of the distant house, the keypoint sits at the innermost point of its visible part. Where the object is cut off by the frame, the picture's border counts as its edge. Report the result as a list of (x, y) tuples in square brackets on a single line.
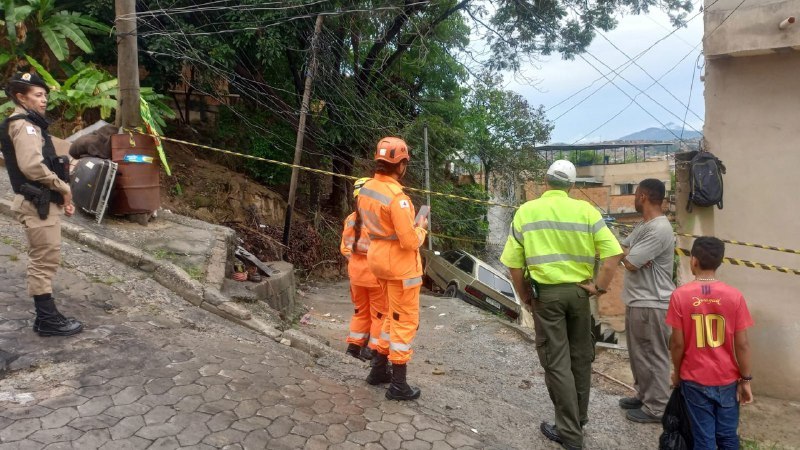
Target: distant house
[(198, 105), (609, 173), (752, 103)]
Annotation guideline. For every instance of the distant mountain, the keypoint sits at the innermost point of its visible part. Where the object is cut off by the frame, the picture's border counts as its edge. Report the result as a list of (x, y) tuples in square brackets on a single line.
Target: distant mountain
[(661, 134)]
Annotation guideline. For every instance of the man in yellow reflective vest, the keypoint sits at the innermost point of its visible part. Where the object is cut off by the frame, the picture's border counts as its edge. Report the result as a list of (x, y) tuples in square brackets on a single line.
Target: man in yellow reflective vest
[(557, 238)]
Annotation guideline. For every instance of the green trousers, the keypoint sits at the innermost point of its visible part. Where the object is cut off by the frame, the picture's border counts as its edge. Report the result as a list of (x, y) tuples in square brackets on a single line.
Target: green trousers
[(562, 318)]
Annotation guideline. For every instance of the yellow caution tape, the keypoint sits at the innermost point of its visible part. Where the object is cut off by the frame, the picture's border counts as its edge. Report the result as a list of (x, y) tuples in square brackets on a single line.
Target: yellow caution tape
[(326, 172), (728, 241), (489, 203), (746, 263)]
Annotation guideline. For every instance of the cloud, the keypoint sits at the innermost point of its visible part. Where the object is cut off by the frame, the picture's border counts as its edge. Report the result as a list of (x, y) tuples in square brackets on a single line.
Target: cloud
[(557, 79)]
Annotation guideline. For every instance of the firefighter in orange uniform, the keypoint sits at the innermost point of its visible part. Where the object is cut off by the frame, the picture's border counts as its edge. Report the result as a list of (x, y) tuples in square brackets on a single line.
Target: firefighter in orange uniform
[(365, 291), (394, 259)]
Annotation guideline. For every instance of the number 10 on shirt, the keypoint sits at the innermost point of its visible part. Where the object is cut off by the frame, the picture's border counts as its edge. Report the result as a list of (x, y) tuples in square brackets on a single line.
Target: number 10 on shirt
[(705, 325)]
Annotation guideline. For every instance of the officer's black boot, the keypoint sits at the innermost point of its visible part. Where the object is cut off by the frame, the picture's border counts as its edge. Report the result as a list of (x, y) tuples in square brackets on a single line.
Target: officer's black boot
[(44, 311), (50, 322), (399, 389), (354, 350), (380, 372), (37, 321)]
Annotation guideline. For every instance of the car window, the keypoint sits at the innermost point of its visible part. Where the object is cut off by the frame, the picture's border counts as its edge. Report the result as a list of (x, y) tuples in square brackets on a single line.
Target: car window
[(466, 264), (495, 282), (485, 277), (504, 287), (452, 256)]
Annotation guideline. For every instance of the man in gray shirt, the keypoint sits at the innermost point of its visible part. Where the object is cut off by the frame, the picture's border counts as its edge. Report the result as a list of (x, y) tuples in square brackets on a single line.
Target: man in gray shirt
[(649, 260)]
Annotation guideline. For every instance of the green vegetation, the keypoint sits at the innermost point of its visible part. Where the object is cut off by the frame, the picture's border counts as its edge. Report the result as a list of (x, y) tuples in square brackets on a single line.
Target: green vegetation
[(196, 273), (752, 444), (464, 220), (160, 253), (44, 30), (381, 69), (109, 280), (89, 87)]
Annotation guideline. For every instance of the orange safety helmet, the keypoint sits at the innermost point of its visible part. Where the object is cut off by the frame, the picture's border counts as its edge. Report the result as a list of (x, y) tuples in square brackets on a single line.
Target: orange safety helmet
[(392, 150)]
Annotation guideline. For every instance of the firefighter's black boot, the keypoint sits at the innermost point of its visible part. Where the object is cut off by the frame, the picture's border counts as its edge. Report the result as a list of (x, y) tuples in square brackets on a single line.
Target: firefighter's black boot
[(354, 350), (50, 322), (399, 389), (380, 372)]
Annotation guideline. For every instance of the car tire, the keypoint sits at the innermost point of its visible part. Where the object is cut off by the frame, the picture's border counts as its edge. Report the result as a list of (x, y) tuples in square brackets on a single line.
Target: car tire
[(451, 291), (427, 282)]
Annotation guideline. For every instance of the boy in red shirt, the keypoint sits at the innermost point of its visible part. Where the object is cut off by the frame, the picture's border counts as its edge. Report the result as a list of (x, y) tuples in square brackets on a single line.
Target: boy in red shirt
[(710, 351)]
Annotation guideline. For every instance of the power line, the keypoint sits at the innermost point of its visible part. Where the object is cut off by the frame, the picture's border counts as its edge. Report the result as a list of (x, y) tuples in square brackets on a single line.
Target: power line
[(622, 66), (631, 103), (691, 88), (655, 81), (616, 73)]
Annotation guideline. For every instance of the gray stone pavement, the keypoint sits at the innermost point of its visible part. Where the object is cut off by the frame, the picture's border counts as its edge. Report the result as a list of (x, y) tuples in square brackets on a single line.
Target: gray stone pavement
[(152, 371)]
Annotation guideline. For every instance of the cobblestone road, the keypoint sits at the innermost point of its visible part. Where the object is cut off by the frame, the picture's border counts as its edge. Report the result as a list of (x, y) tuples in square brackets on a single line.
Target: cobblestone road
[(150, 371)]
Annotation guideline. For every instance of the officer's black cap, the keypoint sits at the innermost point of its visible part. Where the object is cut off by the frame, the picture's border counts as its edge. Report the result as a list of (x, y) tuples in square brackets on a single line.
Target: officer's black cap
[(30, 79)]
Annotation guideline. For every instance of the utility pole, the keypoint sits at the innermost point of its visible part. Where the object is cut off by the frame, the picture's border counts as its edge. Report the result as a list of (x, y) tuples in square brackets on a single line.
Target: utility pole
[(128, 114), (301, 130), (428, 185)]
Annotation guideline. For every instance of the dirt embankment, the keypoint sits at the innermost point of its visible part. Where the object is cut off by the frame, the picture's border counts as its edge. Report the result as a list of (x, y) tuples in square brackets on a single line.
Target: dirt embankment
[(205, 190)]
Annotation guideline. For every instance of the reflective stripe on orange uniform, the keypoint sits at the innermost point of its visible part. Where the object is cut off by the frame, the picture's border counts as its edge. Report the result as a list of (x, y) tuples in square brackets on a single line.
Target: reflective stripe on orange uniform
[(401, 325), (369, 301), (369, 315), (394, 259), (388, 214), (357, 265)]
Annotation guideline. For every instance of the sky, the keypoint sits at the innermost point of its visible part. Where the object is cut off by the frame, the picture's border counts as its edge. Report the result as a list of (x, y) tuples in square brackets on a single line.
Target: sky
[(553, 80)]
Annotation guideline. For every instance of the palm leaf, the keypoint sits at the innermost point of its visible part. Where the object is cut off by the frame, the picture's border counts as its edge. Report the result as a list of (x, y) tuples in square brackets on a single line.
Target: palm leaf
[(43, 72), (56, 41), (76, 35), (87, 23), (87, 84), (106, 106), (44, 6), (7, 107), (22, 12), (108, 85), (8, 7), (75, 77), (107, 102)]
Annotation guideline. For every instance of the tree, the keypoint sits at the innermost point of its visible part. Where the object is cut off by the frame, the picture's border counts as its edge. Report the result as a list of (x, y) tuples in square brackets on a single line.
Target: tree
[(40, 29), (383, 65), (502, 130)]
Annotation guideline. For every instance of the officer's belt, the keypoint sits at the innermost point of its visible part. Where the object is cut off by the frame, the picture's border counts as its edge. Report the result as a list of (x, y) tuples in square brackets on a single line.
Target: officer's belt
[(558, 285)]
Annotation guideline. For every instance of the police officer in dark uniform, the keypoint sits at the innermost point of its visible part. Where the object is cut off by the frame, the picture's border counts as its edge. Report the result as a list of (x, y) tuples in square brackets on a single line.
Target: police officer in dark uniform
[(39, 179)]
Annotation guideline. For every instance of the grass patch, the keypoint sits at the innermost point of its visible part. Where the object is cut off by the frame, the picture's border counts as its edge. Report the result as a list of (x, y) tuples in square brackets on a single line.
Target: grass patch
[(7, 240), (160, 253), (109, 280), (13, 258), (195, 273), (752, 444)]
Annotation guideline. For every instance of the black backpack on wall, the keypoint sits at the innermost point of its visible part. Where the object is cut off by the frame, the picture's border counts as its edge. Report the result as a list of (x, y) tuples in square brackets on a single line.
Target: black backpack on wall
[(705, 180)]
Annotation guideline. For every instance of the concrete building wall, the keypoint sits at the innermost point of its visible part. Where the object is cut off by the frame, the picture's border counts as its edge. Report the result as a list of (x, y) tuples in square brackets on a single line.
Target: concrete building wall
[(752, 116), (751, 30)]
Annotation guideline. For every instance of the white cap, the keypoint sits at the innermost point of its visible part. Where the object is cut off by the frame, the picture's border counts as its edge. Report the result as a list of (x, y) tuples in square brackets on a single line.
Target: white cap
[(562, 170)]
